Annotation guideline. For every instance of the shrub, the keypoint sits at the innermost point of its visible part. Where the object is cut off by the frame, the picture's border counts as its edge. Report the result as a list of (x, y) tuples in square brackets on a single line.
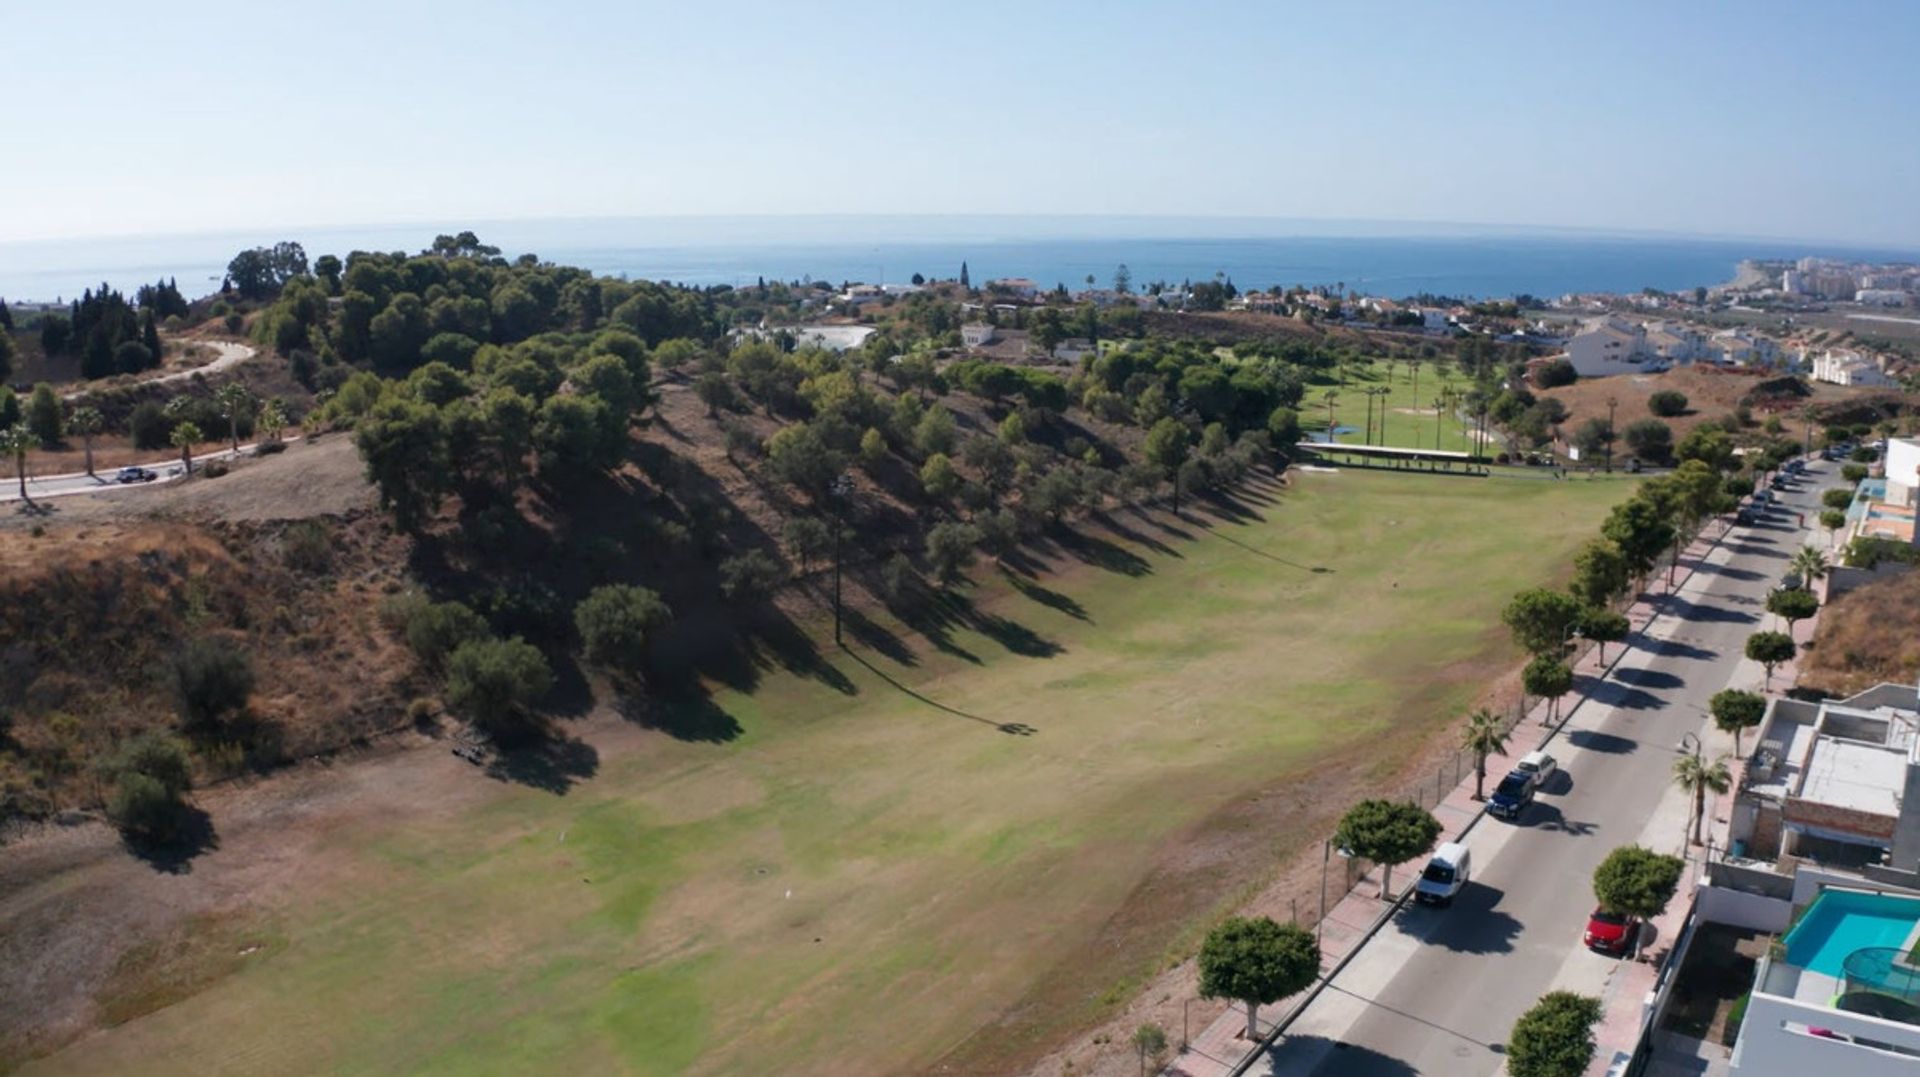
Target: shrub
[(1837, 499), (950, 548), (1555, 374), (1853, 472), (150, 426), (211, 678), (1650, 439), (149, 773), (1667, 403), (615, 621), (213, 469), (494, 681), (306, 547)]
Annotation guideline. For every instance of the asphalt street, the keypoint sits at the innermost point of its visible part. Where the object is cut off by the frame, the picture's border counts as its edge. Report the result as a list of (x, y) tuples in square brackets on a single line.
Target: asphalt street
[(1437, 990)]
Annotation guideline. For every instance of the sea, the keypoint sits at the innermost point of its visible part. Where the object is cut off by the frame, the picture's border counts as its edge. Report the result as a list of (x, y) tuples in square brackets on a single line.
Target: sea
[(1378, 258)]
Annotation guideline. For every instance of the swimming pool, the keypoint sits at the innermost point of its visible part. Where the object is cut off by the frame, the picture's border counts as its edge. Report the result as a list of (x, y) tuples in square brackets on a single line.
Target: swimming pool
[(1842, 921)]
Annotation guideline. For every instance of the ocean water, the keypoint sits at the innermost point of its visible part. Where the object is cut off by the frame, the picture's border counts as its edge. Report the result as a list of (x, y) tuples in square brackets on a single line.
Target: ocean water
[(1252, 253)]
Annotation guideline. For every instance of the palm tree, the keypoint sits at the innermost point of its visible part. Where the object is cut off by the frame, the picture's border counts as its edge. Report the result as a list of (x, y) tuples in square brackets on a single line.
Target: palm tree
[(15, 441), (1811, 563), (1330, 397), (1483, 737), (1696, 776), (235, 400), (185, 437), (86, 422), (273, 418), (1413, 365)]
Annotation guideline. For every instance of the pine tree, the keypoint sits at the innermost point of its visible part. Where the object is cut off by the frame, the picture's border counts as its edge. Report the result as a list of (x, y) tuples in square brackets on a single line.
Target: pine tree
[(6, 317), (964, 282), (150, 336)]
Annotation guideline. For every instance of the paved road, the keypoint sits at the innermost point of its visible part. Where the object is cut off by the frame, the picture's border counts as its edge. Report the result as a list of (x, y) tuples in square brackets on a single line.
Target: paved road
[(231, 354), (40, 487), (1437, 990)]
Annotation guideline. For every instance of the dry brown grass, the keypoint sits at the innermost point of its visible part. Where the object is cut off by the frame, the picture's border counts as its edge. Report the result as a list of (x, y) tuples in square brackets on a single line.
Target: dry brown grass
[(1864, 638), (1711, 394)]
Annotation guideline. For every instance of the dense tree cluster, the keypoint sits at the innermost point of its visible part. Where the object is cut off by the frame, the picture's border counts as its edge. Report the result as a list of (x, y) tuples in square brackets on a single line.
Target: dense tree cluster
[(110, 335)]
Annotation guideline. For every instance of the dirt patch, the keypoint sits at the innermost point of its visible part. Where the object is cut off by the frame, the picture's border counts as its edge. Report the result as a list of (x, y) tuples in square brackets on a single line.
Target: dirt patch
[(1711, 394), (1852, 649)]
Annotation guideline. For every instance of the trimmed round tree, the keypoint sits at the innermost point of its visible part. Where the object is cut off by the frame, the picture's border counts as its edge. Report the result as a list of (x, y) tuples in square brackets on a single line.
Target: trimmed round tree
[(1735, 712), (1770, 649), (1604, 627), (1387, 832), (614, 622), (1555, 1037), (1792, 606), (1257, 962), (1636, 881), (494, 681), (1539, 619)]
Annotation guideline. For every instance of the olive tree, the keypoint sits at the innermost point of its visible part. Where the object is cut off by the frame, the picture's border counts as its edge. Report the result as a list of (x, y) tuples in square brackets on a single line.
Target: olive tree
[(615, 621), (495, 681)]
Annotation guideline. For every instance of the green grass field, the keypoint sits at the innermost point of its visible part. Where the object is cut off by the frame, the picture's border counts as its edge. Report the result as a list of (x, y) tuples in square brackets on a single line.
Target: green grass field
[(1411, 420), (857, 882)]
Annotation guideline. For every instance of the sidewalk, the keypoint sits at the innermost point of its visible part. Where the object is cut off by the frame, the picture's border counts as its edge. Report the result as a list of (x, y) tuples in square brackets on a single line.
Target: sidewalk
[(1218, 1050)]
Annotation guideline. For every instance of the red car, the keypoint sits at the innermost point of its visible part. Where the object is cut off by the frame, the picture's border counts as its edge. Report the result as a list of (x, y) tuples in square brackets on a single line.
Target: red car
[(1611, 933)]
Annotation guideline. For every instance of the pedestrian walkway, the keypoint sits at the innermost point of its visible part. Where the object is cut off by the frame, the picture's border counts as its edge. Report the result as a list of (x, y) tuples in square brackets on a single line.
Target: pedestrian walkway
[(1221, 1047)]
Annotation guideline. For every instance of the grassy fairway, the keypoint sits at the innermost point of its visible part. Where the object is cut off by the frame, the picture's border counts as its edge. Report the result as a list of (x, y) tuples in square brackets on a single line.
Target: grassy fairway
[(859, 881), (1411, 421)]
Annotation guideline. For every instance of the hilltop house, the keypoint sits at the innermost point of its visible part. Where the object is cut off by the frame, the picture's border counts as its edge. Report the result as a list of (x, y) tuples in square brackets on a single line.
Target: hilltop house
[(1019, 286), (1842, 367), (1607, 346), (977, 334), (1743, 347)]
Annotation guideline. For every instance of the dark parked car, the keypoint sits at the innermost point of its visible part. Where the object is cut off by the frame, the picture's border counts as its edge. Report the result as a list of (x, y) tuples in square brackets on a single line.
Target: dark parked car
[(1746, 517), (1511, 796), (135, 474), (1611, 932)]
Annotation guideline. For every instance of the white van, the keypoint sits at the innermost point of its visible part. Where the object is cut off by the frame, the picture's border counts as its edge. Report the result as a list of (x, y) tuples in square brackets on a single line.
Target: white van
[(1447, 873)]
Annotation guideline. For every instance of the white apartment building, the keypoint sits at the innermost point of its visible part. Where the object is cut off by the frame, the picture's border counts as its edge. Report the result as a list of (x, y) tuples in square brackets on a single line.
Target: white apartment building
[(977, 334), (1607, 346), (1742, 347), (1838, 366)]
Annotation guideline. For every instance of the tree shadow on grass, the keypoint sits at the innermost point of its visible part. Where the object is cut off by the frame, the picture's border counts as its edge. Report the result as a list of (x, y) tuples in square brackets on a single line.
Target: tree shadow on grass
[(1053, 600), (874, 636), (689, 715), (1316, 569), (1018, 729), (1100, 553), (554, 765), (1133, 534), (193, 834)]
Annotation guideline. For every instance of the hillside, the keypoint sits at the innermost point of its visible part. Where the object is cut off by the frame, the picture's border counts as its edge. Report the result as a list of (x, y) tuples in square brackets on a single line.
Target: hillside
[(1855, 649)]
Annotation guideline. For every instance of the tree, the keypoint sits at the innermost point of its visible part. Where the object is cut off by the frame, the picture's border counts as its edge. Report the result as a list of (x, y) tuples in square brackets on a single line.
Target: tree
[(1167, 446), (1604, 626), (1149, 1041), (715, 391), (615, 621), (404, 446), (1667, 403), (578, 433), (1387, 832), (273, 419), (873, 449), (184, 437), (15, 440), (434, 630), (210, 679), (1696, 776), (1635, 881), (495, 681), (964, 282), (1283, 426), (1792, 606), (1483, 736), (1837, 499), (1540, 618), (87, 423), (1650, 439), (808, 537), (235, 401), (1735, 711), (938, 477), (1549, 678), (1833, 520), (1257, 962), (950, 549), (1555, 1037), (1770, 649), (1600, 573), (1641, 529), (1553, 374), (44, 416), (1593, 436)]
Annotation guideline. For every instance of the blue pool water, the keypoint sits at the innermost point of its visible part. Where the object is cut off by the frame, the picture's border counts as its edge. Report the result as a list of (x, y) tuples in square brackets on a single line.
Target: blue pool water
[(1841, 922)]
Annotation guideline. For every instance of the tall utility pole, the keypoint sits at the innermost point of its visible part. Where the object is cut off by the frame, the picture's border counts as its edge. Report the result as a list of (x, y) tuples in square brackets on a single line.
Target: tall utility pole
[(1612, 402)]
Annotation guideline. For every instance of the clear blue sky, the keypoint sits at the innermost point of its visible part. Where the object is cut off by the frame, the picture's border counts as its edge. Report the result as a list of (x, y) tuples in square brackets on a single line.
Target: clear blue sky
[(1751, 119)]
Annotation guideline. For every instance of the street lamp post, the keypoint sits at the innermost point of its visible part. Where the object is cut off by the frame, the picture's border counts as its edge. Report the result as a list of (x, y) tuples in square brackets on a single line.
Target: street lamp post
[(841, 490)]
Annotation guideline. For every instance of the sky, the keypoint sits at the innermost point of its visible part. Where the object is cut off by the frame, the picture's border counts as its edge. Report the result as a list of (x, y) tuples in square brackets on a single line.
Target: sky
[(1756, 119)]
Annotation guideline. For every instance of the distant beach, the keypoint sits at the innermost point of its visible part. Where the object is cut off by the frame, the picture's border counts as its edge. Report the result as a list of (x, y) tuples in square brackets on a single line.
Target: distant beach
[(739, 252)]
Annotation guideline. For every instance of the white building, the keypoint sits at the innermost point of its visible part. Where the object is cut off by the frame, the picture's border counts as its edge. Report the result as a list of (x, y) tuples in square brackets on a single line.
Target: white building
[(1742, 347), (977, 334), (1675, 343), (1841, 367), (1020, 286), (1607, 346), (862, 294), (1880, 297), (1903, 471)]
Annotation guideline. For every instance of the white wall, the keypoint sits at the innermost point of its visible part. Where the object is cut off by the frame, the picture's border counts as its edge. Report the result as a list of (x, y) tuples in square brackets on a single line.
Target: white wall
[(1903, 460), (1756, 912), (1766, 1049)]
